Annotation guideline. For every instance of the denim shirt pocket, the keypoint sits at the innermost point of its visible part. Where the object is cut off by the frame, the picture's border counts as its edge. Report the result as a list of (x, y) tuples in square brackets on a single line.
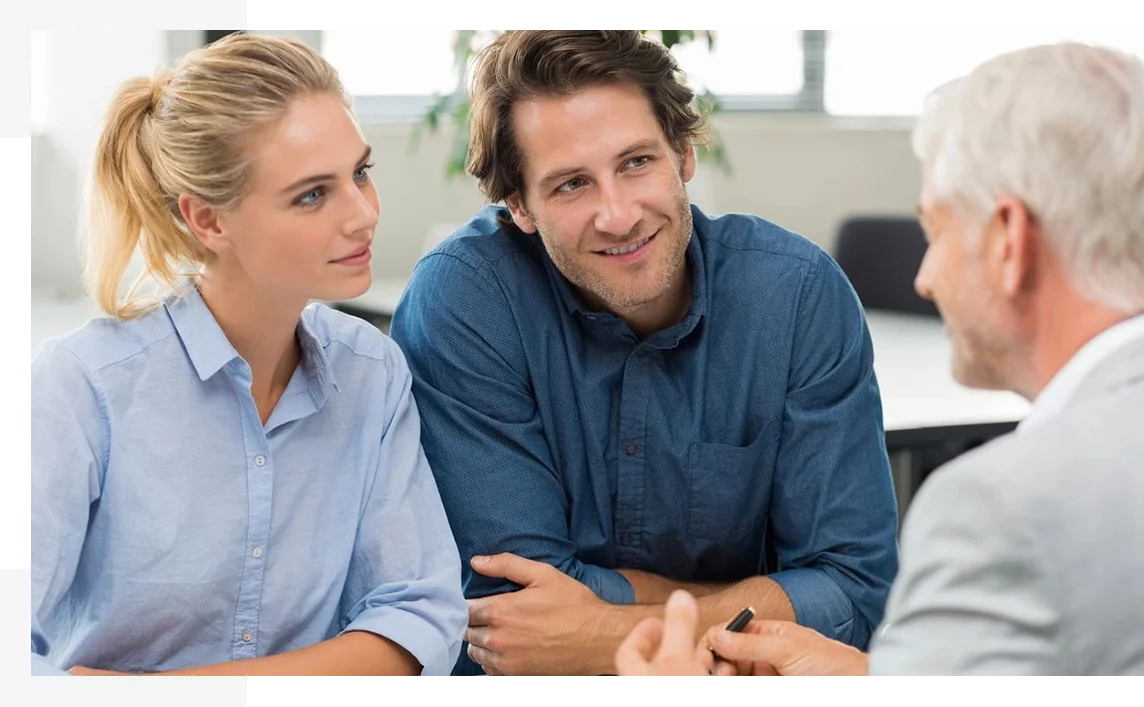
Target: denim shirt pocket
[(730, 486)]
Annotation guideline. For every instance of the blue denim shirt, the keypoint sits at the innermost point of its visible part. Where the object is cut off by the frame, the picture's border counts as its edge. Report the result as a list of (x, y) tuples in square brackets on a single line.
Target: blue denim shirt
[(745, 440), (171, 528)]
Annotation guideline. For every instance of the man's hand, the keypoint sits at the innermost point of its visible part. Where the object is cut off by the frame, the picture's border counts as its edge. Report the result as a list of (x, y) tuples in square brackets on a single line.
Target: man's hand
[(667, 646), (546, 628), (784, 648)]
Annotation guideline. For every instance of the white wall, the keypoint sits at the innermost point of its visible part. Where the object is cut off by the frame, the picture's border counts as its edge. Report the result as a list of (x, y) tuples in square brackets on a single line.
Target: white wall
[(804, 172), (84, 70)]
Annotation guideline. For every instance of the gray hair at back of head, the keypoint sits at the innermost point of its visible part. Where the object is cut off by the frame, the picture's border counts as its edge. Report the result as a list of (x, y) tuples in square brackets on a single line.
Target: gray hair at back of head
[(1060, 127)]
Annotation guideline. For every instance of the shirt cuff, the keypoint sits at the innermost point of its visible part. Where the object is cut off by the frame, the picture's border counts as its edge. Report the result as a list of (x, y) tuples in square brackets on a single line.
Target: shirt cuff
[(819, 603), (609, 585), (41, 666), (414, 634)]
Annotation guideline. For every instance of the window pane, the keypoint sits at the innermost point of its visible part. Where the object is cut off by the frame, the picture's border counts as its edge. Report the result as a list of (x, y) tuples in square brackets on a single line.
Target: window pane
[(891, 72), (744, 62), (407, 62)]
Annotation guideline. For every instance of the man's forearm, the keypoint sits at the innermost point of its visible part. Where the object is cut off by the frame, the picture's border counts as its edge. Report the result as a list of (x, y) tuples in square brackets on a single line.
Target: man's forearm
[(353, 653), (763, 593), (716, 598), (653, 589), (718, 603)]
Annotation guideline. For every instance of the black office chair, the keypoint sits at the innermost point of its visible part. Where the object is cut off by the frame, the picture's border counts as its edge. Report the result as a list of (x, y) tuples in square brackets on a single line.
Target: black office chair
[(881, 256)]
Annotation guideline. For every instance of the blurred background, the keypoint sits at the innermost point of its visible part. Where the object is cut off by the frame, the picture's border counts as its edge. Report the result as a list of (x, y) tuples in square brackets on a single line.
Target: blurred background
[(814, 125)]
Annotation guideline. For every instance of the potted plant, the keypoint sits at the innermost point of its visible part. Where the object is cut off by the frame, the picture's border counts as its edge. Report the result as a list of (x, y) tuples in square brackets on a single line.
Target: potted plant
[(454, 107)]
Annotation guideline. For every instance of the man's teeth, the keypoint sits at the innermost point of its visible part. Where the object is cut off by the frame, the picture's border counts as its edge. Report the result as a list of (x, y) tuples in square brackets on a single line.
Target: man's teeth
[(627, 249)]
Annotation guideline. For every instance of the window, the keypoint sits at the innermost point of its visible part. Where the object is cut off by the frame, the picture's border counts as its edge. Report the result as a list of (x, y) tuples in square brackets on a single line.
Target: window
[(746, 69), (891, 72), (745, 63), (403, 62)]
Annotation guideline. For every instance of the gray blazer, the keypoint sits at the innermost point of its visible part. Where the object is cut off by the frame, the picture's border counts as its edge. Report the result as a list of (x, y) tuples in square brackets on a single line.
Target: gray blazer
[(1026, 555)]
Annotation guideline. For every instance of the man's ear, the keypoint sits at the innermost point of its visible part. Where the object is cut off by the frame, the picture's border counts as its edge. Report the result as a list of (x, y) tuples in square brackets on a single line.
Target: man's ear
[(203, 221), (687, 163), (1016, 235), (520, 214)]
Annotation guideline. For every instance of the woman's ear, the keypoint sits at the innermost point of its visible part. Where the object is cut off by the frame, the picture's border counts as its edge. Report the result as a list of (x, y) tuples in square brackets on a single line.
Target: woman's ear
[(203, 221)]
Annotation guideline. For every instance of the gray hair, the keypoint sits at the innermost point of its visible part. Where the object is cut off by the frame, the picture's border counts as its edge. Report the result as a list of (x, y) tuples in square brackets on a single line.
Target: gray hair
[(1060, 127)]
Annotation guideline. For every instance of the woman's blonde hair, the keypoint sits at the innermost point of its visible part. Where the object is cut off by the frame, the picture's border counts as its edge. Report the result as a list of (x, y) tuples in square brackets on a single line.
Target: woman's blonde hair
[(185, 131)]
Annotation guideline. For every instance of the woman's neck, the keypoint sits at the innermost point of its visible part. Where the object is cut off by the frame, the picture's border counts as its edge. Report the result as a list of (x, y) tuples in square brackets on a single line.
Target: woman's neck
[(261, 327)]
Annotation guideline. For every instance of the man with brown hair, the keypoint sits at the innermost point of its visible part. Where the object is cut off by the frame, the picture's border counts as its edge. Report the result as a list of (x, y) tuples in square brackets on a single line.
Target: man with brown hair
[(622, 395)]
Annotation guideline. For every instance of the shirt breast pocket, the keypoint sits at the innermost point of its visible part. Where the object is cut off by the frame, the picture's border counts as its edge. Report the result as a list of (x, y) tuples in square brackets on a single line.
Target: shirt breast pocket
[(730, 486)]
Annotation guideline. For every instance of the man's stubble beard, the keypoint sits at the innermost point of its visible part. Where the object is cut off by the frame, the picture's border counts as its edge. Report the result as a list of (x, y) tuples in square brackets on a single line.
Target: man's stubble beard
[(616, 298)]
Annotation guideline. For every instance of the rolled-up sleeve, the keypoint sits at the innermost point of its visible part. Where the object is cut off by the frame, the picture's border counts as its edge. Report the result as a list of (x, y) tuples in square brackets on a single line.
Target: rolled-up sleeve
[(404, 581), (834, 513)]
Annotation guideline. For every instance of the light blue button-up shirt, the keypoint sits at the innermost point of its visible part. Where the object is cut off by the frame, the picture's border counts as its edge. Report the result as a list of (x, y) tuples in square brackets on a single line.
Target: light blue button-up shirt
[(171, 528)]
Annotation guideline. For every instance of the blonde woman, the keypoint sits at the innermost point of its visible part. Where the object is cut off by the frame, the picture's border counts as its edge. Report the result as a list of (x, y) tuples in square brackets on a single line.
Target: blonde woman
[(228, 480)]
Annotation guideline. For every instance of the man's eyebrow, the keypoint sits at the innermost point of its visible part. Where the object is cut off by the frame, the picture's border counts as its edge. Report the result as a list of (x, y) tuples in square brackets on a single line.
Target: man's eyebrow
[(563, 172)]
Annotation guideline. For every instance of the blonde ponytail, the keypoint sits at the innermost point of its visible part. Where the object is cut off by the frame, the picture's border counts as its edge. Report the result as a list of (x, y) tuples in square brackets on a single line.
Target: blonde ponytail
[(184, 132), (127, 206)]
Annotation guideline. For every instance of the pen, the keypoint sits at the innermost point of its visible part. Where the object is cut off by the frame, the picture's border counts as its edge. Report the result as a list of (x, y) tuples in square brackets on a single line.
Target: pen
[(737, 624), (740, 622)]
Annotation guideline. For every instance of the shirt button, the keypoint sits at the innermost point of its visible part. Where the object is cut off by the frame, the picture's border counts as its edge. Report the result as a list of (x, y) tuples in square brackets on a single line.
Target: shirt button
[(260, 460), (257, 552), (631, 448), (247, 635)]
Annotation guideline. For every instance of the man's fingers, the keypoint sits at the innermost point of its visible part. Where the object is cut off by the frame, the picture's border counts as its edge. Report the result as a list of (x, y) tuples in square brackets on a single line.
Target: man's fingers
[(511, 567), (769, 627), (636, 651), (681, 617), (478, 636), (484, 658), (479, 610), (771, 648), (724, 668)]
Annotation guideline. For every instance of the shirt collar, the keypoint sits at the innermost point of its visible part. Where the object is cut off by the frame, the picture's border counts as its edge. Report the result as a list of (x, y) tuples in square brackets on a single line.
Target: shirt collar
[(209, 350), (315, 363), (206, 344), (1064, 385)]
